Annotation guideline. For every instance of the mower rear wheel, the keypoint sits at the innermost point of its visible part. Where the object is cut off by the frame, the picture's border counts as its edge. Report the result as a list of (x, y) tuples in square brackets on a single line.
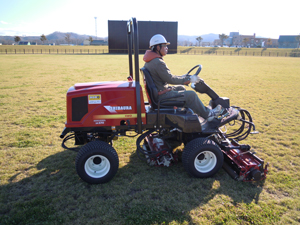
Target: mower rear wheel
[(202, 158), (97, 162)]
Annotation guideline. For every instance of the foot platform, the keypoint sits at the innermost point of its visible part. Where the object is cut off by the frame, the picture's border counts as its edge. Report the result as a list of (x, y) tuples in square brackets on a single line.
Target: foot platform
[(227, 116)]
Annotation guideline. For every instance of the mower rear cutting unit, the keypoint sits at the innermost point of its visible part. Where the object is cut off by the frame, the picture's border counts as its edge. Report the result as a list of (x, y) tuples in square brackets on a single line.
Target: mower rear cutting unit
[(100, 112)]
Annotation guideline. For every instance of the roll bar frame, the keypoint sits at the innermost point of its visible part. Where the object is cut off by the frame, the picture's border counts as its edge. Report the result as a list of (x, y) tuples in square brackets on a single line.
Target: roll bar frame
[(133, 41)]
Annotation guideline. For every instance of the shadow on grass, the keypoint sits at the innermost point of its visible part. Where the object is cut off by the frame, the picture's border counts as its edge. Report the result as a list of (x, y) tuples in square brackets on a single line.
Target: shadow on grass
[(238, 50), (186, 50), (211, 50), (295, 53), (138, 194)]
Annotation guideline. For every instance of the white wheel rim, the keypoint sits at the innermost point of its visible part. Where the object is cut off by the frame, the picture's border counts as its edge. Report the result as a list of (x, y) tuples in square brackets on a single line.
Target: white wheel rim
[(205, 161), (97, 166)]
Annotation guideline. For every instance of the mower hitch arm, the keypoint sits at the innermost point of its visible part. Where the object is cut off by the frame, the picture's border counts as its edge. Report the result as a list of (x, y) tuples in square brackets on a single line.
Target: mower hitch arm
[(241, 147)]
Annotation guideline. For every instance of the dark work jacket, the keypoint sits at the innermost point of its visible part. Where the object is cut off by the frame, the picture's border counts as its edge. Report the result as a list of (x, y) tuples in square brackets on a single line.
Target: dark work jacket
[(160, 73)]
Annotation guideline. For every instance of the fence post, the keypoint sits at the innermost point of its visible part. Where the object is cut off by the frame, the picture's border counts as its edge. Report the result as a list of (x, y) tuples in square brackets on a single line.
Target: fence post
[(6, 51), (15, 51), (32, 51), (24, 51)]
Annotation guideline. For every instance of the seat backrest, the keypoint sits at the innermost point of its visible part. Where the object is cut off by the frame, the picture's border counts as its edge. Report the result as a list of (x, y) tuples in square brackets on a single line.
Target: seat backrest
[(151, 89), (152, 93)]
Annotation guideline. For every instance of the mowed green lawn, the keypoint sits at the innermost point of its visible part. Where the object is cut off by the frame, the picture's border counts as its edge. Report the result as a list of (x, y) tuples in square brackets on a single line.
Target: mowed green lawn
[(38, 181)]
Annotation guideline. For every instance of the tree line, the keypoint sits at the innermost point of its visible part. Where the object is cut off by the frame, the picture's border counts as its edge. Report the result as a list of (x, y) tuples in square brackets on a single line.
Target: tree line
[(245, 41), (222, 37), (43, 38)]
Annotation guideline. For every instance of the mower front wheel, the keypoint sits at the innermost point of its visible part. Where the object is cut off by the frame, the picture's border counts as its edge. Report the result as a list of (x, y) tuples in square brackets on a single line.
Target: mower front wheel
[(202, 158), (97, 162)]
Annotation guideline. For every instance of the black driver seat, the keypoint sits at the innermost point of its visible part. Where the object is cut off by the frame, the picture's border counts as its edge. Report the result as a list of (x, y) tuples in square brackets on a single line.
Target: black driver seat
[(152, 93)]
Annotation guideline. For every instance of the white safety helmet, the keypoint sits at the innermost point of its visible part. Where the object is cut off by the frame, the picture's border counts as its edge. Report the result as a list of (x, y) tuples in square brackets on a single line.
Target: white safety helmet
[(158, 39)]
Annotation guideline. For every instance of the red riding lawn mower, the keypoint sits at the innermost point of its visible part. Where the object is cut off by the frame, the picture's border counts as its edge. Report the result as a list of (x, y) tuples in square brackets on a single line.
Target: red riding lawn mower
[(100, 112)]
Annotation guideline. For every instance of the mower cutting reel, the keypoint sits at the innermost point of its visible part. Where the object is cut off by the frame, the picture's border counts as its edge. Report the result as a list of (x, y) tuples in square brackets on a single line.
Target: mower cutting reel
[(100, 112)]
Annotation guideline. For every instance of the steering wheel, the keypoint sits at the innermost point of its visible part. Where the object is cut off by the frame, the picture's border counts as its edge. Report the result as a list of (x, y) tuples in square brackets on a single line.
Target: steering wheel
[(197, 72)]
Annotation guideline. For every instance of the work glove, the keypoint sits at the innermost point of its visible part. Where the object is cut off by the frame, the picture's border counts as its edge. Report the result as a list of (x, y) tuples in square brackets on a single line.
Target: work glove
[(195, 79)]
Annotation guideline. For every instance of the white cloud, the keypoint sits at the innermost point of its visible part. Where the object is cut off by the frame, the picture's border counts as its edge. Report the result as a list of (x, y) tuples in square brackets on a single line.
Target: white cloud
[(3, 22)]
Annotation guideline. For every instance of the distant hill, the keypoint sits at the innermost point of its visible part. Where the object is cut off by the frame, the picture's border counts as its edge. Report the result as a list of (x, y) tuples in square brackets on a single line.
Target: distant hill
[(77, 39), (59, 35), (56, 37)]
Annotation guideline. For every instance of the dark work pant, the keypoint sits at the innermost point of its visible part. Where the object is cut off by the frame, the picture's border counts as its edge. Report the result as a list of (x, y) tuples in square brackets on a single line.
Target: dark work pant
[(191, 99)]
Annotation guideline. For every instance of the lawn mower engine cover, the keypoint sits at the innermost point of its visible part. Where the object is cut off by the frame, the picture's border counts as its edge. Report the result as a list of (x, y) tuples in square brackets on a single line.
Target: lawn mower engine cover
[(98, 104)]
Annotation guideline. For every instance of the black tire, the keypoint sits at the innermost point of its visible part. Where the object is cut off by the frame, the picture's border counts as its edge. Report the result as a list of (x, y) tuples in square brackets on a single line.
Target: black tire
[(202, 158), (97, 162)]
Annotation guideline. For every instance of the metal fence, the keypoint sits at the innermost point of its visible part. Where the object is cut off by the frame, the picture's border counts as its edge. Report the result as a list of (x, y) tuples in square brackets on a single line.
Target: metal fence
[(188, 51), (293, 53), (54, 51)]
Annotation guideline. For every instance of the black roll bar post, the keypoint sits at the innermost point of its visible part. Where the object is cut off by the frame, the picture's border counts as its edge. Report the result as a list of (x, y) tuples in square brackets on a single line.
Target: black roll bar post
[(132, 37)]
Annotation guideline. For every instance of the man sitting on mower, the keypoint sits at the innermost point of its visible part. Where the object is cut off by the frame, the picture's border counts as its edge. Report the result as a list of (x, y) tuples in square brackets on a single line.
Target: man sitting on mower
[(162, 76)]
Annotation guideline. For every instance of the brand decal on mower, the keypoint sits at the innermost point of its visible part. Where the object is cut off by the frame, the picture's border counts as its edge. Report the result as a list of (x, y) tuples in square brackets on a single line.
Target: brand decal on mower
[(114, 109), (94, 99)]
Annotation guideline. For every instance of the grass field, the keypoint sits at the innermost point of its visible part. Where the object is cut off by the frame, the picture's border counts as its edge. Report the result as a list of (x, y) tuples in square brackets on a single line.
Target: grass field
[(38, 181)]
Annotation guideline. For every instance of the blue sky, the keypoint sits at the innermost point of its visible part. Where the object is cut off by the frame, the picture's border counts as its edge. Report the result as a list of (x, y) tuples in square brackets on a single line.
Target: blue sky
[(264, 17)]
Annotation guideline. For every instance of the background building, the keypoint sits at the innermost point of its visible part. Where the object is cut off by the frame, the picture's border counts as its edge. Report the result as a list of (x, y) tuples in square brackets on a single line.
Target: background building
[(249, 41), (288, 41), (27, 43), (117, 35), (98, 42)]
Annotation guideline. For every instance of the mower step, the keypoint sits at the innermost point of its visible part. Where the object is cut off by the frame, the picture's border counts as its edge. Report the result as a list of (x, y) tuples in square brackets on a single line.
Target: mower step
[(212, 126), (233, 114)]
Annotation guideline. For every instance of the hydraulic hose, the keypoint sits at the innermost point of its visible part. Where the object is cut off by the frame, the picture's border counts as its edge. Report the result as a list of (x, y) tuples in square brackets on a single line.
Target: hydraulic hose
[(241, 134), (138, 146), (71, 136)]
